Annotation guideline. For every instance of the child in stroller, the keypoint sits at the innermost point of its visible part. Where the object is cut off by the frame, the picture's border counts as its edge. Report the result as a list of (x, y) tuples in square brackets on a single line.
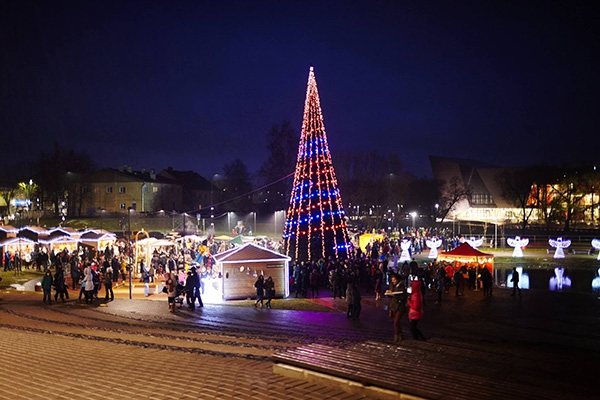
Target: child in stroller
[(175, 292)]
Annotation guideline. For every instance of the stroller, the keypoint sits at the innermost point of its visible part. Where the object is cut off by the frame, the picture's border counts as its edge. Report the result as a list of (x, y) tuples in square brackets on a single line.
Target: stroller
[(180, 296)]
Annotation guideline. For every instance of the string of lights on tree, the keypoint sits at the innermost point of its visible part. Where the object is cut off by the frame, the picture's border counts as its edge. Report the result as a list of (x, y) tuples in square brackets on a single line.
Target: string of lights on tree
[(315, 221)]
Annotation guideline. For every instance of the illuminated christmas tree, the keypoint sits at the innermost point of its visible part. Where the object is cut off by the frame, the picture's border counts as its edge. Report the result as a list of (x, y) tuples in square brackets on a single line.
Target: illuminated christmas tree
[(315, 223)]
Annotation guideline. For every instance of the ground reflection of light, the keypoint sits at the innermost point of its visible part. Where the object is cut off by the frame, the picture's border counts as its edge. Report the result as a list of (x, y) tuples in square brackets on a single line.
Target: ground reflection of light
[(212, 290), (559, 281), (523, 279), (596, 282)]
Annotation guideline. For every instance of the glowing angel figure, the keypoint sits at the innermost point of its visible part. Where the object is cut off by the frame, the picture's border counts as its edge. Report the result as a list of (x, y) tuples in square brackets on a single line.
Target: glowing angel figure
[(405, 246), (558, 281), (433, 244), (473, 241), (560, 245), (596, 245), (518, 244)]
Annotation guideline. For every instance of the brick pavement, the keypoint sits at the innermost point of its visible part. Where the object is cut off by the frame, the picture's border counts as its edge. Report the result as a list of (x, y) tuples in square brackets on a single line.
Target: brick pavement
[(68, 351)]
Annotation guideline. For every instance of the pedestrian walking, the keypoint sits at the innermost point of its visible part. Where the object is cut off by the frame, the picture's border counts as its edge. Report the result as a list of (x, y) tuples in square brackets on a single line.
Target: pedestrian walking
[(260, 291), (486, 281), (190, 287), (47, 286), (353, 299), (88, 286), (269, 287), (515, 281), (397, 307), (145, 278), (108, 284), (60, 288), (171, 285), (415, 309)]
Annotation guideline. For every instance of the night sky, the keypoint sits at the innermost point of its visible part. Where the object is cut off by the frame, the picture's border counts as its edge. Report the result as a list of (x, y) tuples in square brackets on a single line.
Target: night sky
[(195, 84)]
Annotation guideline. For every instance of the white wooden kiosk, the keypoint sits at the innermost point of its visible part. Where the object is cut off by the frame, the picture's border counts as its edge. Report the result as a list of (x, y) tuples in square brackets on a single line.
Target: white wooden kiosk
[(240, 267)]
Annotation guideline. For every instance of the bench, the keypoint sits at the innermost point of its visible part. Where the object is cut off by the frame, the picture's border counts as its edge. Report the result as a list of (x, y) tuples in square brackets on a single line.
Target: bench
[(417, 370)]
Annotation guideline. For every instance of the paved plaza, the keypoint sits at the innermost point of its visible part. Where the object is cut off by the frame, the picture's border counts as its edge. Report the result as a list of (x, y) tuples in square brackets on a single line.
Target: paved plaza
[(136, 349)]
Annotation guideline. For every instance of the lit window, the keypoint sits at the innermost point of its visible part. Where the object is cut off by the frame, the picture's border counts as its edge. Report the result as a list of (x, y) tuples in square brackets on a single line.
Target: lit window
[(96, 189), (155, 189)]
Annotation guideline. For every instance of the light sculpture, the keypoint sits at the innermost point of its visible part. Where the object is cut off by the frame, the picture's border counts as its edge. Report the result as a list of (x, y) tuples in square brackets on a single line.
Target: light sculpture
[(559, 280), (315, 224), (560, 245), (433, 244), (596, 245), (473, 241), (405, 253), (518, 244)]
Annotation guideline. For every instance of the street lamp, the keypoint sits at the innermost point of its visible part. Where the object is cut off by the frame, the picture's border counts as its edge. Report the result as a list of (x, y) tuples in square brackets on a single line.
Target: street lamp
[(413, 215)]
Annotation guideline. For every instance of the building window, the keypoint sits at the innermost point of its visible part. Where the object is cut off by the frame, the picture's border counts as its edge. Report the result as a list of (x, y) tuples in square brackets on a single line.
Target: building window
[(154, 189), (96, 189), (146, 189), (122, 206), (109, 189), (122, 189)]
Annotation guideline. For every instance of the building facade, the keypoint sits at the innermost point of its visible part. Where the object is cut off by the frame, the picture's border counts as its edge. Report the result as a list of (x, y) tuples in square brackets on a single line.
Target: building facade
[(118, 190)]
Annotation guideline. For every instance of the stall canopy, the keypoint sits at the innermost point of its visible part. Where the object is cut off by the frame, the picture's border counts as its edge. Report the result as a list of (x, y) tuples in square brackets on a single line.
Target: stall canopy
[(465, 254)]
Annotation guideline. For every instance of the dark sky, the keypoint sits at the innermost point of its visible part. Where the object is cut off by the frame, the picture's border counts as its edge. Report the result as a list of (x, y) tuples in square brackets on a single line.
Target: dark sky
[(194, 84)]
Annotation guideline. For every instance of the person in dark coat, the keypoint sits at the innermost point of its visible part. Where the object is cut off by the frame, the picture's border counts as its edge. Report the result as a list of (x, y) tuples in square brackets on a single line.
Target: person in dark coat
[(486, 281), (515, 281), (59, 285), (260, 291), (269, 287), (397, 308), (47, 286), (190, 288), (197, 287)]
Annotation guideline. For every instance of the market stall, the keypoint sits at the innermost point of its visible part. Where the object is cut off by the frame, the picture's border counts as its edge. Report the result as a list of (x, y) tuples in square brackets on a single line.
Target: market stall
[(240, 267), (18, 245), (468, 256)]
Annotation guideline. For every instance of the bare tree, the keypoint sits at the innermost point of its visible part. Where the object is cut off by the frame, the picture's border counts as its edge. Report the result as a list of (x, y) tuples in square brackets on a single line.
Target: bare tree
[(451, 193)]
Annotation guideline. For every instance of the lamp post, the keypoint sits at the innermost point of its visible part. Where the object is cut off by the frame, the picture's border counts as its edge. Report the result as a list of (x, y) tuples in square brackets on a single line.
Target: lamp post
[(413, 215)]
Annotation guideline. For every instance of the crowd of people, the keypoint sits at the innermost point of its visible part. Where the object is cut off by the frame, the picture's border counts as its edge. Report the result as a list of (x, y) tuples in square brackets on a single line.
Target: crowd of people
[(376, 271)]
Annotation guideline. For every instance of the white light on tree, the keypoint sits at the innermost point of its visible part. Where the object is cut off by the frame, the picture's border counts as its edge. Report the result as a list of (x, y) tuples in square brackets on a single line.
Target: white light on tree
[(559, 280), (518, 244), (405, 246), (560, 245), (473, 241), (433, 244), (596, 245)]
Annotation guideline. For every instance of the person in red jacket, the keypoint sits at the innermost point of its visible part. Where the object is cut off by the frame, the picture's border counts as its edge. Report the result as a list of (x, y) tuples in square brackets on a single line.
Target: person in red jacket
[(415, 309)]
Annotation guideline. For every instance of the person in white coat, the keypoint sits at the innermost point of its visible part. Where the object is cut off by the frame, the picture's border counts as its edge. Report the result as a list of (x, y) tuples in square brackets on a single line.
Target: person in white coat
[(88, 283)]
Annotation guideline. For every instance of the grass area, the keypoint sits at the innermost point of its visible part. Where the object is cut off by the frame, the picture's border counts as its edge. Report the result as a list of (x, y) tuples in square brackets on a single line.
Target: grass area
[(293, 304), (9, 277)]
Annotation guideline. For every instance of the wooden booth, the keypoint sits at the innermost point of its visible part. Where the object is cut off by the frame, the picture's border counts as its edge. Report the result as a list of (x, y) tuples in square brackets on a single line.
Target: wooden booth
[(240, 267)]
